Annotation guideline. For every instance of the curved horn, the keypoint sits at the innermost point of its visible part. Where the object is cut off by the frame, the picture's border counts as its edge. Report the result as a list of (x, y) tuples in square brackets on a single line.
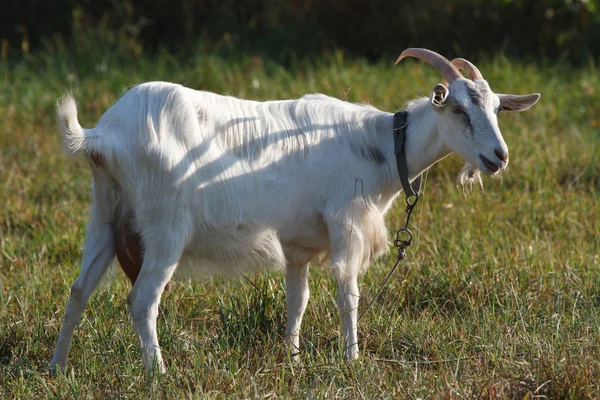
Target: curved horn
[(440, 63), (467, 66)]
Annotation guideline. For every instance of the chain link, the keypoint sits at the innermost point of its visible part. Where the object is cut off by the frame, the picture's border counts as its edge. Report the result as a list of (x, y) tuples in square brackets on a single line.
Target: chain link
[(404, 235), (401, 244)]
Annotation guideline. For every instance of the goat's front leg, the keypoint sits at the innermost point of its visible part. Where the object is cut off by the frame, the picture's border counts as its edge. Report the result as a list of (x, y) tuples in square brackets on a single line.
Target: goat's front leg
[(98, 253), (348, 296), (346, 257), (296, 297), (163, 251)]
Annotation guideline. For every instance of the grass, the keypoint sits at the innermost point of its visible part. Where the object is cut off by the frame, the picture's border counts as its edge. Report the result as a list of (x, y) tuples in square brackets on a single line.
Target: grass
[(500, 299)]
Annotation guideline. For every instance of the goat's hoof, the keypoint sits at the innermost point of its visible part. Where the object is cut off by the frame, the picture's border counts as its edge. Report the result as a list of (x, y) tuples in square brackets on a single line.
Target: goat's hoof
[(350, 355), (295, 357), (55, 368), (156, 370)]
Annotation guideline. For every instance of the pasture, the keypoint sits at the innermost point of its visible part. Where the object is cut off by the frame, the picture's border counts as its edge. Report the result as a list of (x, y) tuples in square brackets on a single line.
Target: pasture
[(498, 298)]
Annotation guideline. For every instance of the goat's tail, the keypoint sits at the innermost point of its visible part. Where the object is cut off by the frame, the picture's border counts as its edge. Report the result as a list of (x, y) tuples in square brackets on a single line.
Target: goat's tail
[(76, 140)]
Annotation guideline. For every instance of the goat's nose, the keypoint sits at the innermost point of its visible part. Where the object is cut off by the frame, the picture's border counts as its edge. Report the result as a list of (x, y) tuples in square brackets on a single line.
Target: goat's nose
[(503, 155)]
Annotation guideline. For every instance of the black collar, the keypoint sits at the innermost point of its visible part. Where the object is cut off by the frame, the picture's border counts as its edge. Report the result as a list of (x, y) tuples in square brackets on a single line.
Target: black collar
[(399, 129)]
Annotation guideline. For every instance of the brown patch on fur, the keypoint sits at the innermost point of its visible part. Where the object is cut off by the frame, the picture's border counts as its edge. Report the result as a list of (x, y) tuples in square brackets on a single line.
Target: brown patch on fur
[(97, 159), (129, 249)]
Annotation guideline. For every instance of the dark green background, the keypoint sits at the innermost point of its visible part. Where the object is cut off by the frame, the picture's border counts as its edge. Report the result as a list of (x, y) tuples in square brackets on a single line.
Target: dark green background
[(285, 30)]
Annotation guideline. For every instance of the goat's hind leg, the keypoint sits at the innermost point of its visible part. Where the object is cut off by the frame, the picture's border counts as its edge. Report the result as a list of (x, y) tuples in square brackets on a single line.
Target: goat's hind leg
[(163, 251), (296, 296), (98, 253)]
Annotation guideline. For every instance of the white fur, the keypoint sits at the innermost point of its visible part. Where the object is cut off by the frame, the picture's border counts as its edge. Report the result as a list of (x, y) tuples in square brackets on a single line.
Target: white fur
[(219, 184)]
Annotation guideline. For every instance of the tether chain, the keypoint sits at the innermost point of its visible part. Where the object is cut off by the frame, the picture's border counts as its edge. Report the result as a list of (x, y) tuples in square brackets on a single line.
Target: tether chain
[(400, 244)]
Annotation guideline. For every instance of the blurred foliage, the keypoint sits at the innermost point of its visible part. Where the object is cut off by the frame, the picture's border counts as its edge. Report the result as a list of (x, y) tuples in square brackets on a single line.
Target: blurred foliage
[(287, 29)]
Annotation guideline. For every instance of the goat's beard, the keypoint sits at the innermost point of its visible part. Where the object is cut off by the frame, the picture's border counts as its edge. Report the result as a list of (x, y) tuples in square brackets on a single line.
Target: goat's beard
[(468, 177)]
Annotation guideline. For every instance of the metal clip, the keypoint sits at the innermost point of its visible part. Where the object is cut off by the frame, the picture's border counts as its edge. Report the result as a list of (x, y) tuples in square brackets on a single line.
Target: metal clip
[(401, 253), (402, 242)]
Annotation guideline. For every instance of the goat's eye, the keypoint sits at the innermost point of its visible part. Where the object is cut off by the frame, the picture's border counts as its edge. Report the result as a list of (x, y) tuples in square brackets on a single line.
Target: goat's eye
[(457, 110)]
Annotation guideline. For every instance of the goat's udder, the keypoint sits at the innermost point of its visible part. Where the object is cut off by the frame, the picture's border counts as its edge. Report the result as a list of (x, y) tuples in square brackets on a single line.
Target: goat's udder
[(129, 249), (97, 159)]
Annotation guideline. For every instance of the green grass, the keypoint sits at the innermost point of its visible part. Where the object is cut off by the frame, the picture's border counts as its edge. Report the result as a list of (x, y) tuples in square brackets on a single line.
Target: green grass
[(501, 297)]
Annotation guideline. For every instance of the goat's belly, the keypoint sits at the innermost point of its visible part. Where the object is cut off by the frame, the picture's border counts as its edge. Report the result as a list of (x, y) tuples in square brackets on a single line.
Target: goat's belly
[(193, 266), (231, 251)]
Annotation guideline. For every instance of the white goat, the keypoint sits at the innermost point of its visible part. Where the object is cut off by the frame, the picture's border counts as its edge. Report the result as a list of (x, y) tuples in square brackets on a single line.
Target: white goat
[(215, 183)]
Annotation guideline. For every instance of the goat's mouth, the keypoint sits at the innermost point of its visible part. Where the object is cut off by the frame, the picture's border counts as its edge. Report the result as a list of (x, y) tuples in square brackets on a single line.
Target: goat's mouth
[(493, 168)]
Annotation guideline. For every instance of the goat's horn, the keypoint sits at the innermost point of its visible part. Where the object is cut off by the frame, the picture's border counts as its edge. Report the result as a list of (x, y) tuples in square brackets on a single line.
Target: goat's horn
[(466, 65), (440, 63)]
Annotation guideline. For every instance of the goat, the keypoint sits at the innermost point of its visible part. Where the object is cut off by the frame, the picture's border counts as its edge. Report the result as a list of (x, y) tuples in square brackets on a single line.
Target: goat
[(210, 183)]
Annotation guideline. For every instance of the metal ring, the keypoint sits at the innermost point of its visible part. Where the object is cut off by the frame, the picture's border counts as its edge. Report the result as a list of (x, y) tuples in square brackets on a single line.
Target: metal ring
[(399, 241), (408, 202)]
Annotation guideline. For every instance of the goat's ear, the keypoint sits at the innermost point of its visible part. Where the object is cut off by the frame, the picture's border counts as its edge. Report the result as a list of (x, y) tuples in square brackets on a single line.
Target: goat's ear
[(438, 96), (513, 102)]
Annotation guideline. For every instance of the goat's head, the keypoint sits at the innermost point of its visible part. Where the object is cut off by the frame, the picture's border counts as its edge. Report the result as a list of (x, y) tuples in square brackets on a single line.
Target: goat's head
[(467, 111)]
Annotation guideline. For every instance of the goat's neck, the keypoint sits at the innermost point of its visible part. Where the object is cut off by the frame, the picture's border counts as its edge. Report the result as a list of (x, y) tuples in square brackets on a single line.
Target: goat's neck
[(424, 147)]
